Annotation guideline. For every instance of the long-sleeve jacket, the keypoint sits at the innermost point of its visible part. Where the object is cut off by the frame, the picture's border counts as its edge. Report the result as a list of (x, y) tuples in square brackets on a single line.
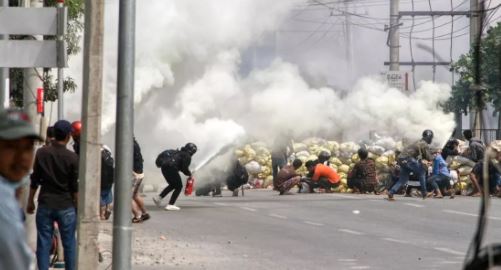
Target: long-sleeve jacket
[(183, 161), (418, 150)]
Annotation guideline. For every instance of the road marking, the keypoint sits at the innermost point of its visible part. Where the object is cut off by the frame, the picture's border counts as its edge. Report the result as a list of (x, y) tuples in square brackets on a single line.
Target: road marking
[(414, 205), (467, 214), (351, 232), (395, 240), (313, 223), (220, 204), (450, 262), (347, 196), (450, 251), (459, 213), (277, 216), (346, 260), (248, 209)]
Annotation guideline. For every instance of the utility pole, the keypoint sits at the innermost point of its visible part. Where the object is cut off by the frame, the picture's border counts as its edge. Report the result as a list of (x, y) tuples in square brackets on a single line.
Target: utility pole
[(31, 82), (90, 144), (475, 36), (60, 75), (4, 72), (122, 227), (32, 78), (394, 36), (434, 63), (347, 31)]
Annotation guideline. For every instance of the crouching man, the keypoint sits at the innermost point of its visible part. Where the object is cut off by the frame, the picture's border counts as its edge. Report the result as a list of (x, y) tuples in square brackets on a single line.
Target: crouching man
[(287, 177), (323, 176), (362, 178)]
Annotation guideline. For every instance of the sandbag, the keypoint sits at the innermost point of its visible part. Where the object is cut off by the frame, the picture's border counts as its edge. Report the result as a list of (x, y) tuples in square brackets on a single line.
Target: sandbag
[(253, 167)]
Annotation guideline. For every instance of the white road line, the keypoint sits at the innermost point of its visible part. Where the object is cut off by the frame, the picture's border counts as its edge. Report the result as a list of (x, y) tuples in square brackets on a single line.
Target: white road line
[(248, 209), (450, 262), (346, 260), (450, 251), (459, 213), (395, 240), (313, 223), (467, 214), (347, 196), (221, 204), (277, 216), (414, 205), (351, 232)]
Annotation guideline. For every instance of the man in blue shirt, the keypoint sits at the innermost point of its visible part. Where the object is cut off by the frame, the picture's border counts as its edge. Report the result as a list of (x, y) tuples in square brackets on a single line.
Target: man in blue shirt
[(440, 175), (17, 138)]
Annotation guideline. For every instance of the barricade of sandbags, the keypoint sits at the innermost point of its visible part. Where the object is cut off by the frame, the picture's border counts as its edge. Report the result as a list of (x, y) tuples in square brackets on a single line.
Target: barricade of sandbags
[(256, 157)]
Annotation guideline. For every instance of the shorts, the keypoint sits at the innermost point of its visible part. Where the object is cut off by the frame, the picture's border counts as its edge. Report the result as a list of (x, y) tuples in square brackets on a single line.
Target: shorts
[(106, 197), (137, 179)]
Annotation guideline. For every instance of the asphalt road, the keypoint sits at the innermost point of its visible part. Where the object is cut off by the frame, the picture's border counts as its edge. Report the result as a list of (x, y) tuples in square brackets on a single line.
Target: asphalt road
[(310, 231)]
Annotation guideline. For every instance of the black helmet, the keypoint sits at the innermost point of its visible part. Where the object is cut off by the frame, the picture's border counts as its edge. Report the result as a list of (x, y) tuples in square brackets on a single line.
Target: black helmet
[(191, 148), (362, 153), (428, 136), (323, 156)]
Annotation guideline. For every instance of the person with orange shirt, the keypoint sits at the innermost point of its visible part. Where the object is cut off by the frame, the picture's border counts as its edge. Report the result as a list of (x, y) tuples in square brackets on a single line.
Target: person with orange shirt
[(322, 176)]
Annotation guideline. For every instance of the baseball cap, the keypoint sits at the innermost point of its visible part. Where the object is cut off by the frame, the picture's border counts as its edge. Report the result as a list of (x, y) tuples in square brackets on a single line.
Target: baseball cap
[(16, 124), (62, 127)]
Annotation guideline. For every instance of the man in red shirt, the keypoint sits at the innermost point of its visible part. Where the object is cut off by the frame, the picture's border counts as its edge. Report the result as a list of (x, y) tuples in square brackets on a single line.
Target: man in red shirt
[(323, 176)]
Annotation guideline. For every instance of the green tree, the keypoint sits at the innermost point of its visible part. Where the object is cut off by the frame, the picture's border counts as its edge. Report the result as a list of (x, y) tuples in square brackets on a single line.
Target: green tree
[(463, 98), (73, 35)]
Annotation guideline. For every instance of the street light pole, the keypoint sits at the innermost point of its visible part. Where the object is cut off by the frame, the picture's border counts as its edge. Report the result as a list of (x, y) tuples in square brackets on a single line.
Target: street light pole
[(122, 226), (4, 72)]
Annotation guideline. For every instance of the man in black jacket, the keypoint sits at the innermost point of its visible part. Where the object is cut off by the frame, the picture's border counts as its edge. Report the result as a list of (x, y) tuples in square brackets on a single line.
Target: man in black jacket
[(179, 161), (56, 171)]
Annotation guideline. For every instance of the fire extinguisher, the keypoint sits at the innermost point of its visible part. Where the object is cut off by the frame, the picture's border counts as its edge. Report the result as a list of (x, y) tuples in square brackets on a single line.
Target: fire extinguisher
[(189, 186)]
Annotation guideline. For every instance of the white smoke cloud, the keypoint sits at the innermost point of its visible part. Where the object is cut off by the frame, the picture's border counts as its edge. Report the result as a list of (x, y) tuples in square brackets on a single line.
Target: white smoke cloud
[(189, 86)]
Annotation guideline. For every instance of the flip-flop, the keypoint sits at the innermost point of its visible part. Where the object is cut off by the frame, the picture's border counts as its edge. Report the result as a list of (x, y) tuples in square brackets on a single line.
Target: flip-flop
[(136, 220)]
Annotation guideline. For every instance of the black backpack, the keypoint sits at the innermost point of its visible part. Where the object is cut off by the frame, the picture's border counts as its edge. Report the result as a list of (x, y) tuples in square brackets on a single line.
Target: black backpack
[(167, 157), (107, 169)]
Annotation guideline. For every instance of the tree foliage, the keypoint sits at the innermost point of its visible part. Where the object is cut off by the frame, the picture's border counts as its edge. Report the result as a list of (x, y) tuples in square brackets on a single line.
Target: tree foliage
[(73, 35), (463, 97)]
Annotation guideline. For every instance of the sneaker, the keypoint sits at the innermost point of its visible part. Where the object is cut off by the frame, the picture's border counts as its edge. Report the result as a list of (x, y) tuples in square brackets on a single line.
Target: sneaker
[(171, 207), (157, 200), (390, 197)]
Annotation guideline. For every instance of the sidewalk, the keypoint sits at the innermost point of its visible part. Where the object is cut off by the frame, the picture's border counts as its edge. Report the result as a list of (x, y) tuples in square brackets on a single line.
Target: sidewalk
[(153, 246)]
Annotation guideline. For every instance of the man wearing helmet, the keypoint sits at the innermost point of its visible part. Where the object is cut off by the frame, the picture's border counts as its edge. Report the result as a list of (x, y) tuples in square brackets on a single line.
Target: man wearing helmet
[(76, 129), (323, 157), (414, 159), (178, 160)]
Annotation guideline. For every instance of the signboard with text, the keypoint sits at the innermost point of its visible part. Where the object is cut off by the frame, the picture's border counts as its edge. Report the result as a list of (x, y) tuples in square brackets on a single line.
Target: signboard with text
[(399, 79)]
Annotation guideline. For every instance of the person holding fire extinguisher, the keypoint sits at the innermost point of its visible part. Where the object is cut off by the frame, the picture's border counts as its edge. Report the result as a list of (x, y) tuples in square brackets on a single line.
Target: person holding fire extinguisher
[(171, 162)]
